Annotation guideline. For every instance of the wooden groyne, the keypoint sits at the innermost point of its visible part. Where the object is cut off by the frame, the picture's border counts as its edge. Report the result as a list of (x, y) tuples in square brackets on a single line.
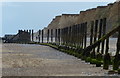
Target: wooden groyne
[(76, 37)]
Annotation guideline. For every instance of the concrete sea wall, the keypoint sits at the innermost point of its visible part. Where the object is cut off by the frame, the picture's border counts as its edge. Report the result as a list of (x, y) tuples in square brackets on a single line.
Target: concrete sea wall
[(111, 12)]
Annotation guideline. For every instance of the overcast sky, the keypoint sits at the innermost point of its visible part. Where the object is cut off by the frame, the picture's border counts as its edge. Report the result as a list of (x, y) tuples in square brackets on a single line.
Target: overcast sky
[(37, 15)]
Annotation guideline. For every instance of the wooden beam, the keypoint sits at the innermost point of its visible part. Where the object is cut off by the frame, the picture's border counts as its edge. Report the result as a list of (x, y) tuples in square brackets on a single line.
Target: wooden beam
[(89, 48)]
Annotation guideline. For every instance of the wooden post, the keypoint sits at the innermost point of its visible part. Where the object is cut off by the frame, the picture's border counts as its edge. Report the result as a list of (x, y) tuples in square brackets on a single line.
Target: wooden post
[(72, 35), (69, 35), (29, 34), (39, 34), (95, 32), (48, 36), (100, 32), (107, 45), (29, 31), (66, 35), (51, 35), (91, 34), (118, 43), (75, 35), (55, 35), (85, 32), (59, 36), (78, 35), (104, 31), (82, 36), (42, 35), (32, 35), (62, 36)]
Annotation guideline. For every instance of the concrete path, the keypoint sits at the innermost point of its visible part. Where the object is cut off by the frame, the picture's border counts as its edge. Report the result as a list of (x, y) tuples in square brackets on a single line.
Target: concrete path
[(37, 60)]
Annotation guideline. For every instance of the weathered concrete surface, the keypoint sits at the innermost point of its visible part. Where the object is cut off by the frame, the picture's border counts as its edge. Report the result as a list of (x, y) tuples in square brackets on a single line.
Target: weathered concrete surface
[(110, 11), (37, 60), (64, 20)]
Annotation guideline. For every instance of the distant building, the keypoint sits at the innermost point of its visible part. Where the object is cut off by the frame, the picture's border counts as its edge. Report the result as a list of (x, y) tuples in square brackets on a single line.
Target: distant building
[(22, 37), (8, 37)]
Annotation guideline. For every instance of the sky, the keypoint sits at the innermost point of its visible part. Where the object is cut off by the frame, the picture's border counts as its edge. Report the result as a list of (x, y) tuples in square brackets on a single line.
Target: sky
[(37, 15)]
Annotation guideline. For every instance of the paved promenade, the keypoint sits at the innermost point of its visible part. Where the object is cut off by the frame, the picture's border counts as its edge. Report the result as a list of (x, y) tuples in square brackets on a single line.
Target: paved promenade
[(37, 60)]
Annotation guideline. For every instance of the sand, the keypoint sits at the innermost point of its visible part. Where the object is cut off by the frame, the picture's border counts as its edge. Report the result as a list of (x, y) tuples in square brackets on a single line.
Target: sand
[(37, 60)]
